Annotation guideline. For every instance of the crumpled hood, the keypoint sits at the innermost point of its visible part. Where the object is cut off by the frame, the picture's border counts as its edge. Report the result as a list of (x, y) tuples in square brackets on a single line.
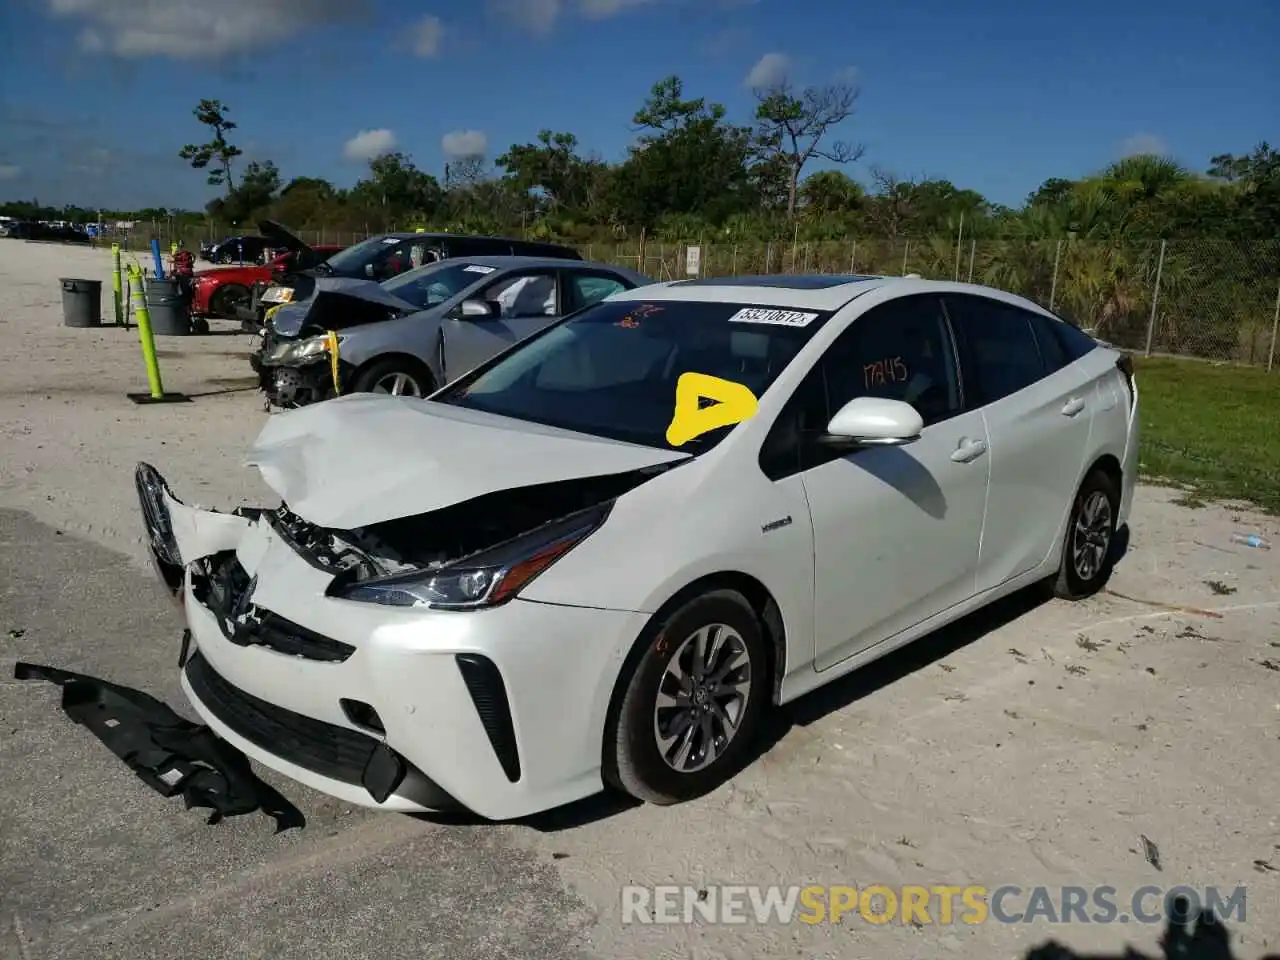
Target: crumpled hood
[(289, 320), (365, 458)]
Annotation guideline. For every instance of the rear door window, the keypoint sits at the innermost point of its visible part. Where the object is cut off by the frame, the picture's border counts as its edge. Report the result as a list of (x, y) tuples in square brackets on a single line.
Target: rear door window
[(583, 289), (998, 346)]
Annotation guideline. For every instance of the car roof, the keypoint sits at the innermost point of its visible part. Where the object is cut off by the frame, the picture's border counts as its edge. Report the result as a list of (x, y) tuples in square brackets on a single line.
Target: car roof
[(802, 291), (510, 262), (825, 292), (475, 236)]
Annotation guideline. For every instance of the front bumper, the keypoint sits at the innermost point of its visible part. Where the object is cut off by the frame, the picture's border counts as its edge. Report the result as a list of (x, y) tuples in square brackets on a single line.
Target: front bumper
[(295, 385), (499, 711)]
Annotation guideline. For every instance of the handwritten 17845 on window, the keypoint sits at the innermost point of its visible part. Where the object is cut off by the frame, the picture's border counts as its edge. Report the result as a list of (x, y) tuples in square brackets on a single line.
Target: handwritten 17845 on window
[(887, 370)]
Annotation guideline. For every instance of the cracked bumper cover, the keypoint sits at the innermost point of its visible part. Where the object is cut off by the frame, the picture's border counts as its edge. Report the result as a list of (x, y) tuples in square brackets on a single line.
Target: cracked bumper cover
[(416, 668)]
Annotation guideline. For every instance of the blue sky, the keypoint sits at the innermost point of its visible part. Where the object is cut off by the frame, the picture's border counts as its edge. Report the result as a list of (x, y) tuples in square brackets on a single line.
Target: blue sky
[(96, 95)]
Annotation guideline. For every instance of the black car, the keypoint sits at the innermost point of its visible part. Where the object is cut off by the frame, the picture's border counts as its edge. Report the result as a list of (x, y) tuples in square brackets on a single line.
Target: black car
[(386, 255), (243, 249), (46, 233)]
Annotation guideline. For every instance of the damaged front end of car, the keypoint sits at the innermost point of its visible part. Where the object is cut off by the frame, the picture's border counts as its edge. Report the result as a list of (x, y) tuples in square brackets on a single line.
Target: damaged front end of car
[(298, 372), (294, 360), (310, 597)]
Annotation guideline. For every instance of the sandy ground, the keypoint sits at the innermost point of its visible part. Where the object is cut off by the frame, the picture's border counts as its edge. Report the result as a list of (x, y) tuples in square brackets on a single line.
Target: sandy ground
[(1030, 745)]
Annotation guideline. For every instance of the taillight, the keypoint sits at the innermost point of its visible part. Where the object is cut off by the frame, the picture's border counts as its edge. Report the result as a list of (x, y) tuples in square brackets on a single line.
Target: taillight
[(1125, 366)]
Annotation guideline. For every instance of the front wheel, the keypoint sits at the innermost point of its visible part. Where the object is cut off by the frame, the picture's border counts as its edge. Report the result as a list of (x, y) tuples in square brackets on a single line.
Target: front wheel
[(227, 299), (399, 377), (692, 706), (1087, 557)]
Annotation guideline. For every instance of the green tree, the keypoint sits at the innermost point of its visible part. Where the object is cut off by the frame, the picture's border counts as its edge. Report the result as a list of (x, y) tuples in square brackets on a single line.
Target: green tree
[(216, 156), (688, 159), (255, 192), (791, 127), (830, 193)]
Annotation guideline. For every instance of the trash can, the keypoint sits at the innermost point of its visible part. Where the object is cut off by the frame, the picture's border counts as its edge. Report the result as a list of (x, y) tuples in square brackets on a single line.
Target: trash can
[(81, 302), (170, 313)]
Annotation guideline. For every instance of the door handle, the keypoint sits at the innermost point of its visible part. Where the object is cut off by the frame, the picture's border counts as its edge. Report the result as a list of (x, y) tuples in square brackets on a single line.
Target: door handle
[(969, 450), (1072, 407)]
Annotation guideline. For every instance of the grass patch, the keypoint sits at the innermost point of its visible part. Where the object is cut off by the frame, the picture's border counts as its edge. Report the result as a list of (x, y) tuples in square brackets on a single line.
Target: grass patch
[(1211, 429)]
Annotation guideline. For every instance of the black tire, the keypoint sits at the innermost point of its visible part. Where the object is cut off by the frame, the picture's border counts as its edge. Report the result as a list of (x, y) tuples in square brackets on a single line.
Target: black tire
[(1076, 580), (225, 299), (634, 761), (368, 379)]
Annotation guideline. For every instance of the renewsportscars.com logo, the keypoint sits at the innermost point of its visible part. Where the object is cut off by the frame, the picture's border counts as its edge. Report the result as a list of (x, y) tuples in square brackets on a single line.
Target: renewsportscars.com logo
[(942, 904)]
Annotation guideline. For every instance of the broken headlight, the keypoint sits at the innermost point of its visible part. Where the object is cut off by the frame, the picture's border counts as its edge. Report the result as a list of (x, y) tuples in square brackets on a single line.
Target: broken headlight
[(298, 351), (152, 491), (485, 579)]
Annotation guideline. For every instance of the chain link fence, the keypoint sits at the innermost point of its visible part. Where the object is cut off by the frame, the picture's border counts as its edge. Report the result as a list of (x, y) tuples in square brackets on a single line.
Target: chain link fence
[(1204, 298)]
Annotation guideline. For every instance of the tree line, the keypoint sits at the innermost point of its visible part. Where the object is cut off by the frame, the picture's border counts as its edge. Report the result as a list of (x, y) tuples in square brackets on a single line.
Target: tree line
[(695, 174)]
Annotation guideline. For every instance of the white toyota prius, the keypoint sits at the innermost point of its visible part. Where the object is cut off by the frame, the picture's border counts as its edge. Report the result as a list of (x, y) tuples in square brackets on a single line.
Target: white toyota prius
[(600, 558)]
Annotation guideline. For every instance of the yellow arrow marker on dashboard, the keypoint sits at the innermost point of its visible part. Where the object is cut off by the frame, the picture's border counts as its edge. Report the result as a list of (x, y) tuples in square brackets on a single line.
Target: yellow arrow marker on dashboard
[(732, 403)]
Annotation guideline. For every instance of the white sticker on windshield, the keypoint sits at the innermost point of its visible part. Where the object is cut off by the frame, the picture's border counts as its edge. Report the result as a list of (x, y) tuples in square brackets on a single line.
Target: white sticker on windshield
[(477, 269), (777, 318), (390, 239)]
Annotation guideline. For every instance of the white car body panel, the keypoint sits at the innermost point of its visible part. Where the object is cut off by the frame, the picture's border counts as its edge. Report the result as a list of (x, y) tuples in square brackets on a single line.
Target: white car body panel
[(861, 554), (366, 457), (910, 550), (404, 663)]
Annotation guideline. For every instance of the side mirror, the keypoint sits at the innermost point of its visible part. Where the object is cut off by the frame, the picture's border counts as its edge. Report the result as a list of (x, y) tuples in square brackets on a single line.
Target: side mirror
[(874, 421), (478, 309)]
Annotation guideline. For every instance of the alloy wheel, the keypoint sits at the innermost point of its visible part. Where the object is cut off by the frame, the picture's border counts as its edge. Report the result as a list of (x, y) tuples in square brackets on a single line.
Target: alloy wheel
[(398, 385), (1091, 537), (702, 698)]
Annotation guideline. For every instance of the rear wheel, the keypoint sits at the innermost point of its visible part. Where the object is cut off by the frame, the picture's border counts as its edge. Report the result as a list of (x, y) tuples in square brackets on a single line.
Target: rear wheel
[(226, 299), (692, 705), (397, 376), (1087, 557)]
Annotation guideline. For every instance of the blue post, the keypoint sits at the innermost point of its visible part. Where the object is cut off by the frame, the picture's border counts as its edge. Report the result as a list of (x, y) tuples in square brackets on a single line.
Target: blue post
[(155, 252)]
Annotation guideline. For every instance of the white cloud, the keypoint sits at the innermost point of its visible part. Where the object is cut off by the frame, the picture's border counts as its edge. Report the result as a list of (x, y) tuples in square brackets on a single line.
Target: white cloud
[(425, 36), (539, 17), (368, 144), (464, 143), (604, 9), (535, 16), (847, 75), (195, 29), (1143, 143), (10, 171), (769, 70)]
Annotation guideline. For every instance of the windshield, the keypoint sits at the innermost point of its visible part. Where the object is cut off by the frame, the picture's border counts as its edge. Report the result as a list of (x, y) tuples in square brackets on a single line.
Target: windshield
[(435, 283), (611, 370), (351, 261)]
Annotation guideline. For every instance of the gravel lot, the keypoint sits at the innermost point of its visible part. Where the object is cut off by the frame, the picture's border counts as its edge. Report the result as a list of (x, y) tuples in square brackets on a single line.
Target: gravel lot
[(1031, 745)]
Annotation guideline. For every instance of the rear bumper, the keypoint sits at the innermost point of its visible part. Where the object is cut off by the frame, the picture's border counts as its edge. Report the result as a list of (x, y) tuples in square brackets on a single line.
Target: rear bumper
[(1132, 464)]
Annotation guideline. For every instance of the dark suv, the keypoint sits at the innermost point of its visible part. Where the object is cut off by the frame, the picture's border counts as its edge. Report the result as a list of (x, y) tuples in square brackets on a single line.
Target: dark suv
[(384, 256)]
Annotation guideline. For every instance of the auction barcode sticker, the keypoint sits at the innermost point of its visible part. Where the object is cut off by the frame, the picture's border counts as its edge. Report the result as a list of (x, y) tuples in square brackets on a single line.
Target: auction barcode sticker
[(777, 318)]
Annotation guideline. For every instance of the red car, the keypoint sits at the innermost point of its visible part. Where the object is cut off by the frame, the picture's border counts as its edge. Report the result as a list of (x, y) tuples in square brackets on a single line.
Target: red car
[(217, 292)]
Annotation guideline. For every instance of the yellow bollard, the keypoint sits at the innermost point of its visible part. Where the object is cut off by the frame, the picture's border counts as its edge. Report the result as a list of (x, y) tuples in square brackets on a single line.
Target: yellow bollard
[(142, 317), (332, 338), (116, 286)]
